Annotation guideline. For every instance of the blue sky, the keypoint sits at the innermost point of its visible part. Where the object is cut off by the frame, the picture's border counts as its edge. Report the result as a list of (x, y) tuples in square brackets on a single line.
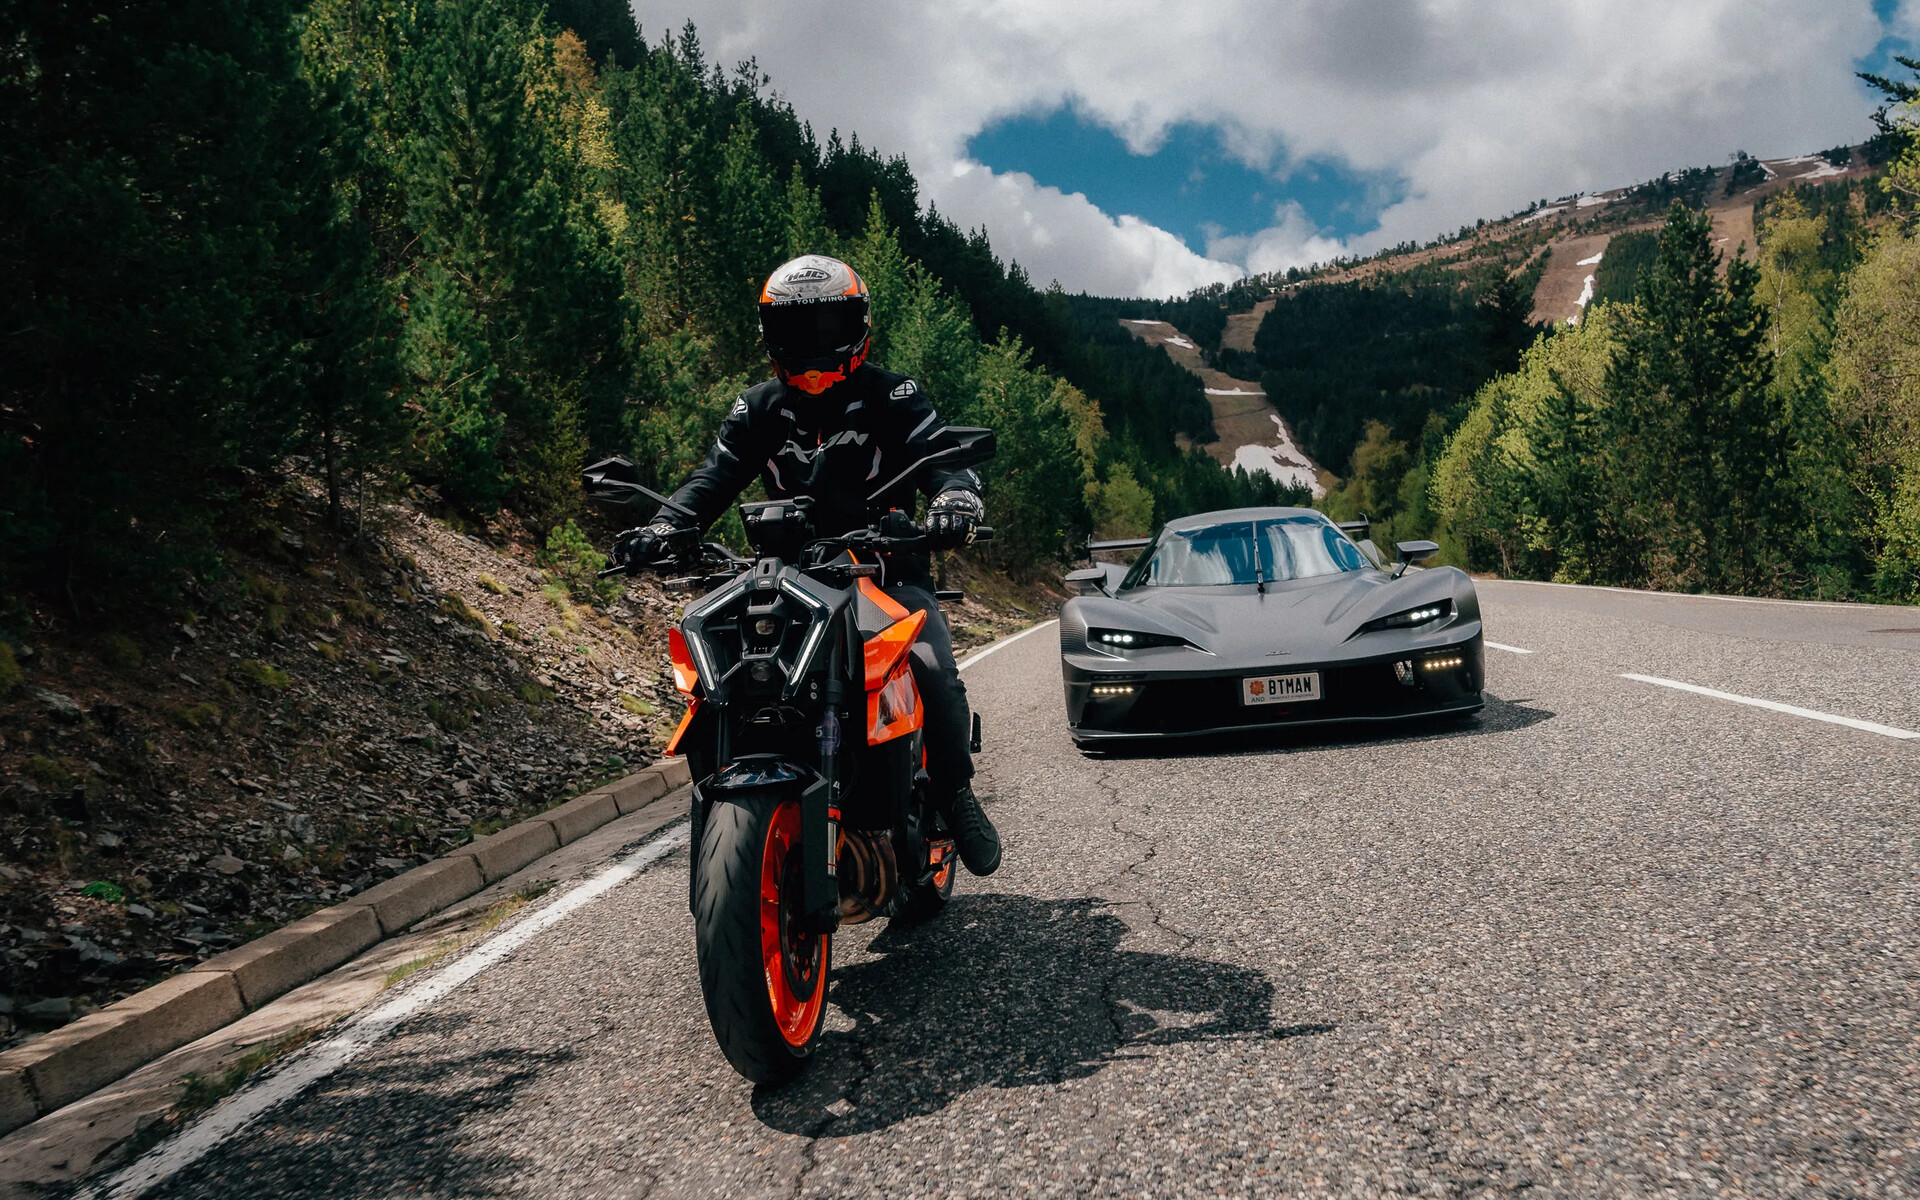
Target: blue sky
[(1191, 186), (1880, 62)]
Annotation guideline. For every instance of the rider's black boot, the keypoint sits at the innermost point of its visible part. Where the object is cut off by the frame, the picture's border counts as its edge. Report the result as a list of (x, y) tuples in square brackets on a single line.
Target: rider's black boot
[(977, 839)]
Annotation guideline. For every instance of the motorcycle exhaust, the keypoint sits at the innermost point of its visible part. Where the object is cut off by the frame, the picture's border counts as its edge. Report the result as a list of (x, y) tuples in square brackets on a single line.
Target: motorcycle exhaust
[(869, 876)]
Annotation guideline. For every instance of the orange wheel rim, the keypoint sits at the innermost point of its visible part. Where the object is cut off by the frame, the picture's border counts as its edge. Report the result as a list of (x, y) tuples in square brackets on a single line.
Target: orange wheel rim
[(795, 958)]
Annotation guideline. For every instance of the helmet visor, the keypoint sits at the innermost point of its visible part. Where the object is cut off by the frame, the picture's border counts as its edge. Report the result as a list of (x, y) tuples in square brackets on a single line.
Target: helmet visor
[(794, 332)]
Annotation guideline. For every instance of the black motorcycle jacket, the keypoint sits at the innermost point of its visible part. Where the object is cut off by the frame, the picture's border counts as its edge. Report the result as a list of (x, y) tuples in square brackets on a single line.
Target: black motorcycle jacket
[(837, 447)]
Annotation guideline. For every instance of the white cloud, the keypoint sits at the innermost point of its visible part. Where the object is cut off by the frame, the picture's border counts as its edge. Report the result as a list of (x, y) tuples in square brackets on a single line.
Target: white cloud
[(1291, 241), (1478, 105), (1060, 236)]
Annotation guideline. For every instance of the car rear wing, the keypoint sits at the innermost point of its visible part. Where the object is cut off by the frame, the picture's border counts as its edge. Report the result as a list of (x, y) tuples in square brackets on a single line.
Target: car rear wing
[(1355, 529), (1139, 543)]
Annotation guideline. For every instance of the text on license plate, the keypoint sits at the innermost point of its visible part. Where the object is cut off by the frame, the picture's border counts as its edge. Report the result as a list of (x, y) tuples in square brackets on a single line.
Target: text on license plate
[(1280, 689)]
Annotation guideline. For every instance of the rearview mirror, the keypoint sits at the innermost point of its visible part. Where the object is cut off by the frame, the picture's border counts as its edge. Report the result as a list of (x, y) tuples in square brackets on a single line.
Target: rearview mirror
[(1408, 553), (1088, 581), (616, 481), (957, 446)]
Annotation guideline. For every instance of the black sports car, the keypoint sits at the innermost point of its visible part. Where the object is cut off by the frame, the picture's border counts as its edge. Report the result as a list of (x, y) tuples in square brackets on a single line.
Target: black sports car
[(1261, 617)]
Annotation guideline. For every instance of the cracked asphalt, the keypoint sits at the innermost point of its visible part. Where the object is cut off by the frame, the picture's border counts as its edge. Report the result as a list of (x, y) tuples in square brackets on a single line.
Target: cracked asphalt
[(1608, 939)]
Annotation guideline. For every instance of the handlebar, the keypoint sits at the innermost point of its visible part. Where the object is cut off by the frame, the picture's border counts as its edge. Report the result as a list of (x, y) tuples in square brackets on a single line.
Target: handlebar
[(716, 555)]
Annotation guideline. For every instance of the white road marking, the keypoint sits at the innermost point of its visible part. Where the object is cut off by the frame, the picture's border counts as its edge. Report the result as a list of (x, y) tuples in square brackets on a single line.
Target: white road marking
[(1508, 649), (1598, 587), (323, 1058), (1003, 643), (1776, 706)]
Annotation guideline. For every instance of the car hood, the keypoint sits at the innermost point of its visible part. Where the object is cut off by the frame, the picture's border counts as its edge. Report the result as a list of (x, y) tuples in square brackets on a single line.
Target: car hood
[(1306, 619)]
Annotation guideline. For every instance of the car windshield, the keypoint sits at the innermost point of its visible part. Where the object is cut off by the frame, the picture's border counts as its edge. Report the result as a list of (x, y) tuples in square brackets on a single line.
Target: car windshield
[(1287, 548)]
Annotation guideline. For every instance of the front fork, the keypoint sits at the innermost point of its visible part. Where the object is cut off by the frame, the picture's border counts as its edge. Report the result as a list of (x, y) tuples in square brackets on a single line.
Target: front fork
[(820, 815)]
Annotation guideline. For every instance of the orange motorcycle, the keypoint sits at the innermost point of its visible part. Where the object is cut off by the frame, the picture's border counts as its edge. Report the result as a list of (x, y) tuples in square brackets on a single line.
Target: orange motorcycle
[(803, 732)]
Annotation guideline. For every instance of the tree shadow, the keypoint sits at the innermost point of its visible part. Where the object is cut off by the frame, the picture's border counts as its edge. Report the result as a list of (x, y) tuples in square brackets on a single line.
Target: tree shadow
[(1005, 991), (1499, 716), (392, 1124)]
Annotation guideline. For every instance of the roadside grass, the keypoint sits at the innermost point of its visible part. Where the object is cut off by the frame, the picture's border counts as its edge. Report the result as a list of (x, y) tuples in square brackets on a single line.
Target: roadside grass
[(204, 1091), (496, 914)]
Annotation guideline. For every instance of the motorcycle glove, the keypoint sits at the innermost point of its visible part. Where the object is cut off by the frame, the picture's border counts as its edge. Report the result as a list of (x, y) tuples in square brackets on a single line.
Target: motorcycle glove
[(952, 518), (650, 544)]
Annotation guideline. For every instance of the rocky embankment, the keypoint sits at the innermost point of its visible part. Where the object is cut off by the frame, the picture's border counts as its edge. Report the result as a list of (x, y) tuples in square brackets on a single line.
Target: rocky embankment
[(324, 717), (331, 712)]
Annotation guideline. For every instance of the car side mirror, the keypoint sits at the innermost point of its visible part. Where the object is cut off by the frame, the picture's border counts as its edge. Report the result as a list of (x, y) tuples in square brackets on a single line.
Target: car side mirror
[(1408, 553), (1088, 581)]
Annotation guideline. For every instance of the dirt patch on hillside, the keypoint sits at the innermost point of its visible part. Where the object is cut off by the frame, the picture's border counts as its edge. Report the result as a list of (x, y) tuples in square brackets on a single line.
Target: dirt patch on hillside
[(1557, 298), (1248, 431), (1242, 326)]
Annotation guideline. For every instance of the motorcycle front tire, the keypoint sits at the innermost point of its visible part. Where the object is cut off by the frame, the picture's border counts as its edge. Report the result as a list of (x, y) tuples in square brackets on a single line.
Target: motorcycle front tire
[(762, 973)]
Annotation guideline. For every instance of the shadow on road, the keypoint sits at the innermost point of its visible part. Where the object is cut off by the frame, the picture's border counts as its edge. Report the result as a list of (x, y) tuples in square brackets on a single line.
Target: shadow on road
[(392, 1127), (1499, 716), (1007, 991)]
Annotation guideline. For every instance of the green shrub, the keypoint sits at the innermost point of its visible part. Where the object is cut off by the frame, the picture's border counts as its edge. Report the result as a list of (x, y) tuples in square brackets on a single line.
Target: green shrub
[(491, 584), (455, 605), (121, 653), (573, 562), (11, 676), (261, 674), (198, 716), (451, 715)]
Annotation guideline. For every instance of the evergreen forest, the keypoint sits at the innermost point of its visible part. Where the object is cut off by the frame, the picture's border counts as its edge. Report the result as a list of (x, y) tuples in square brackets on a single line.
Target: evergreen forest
[(455, 250)]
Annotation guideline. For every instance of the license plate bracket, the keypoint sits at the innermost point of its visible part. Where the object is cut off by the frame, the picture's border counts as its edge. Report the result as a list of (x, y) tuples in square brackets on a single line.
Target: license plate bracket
[(1293, 688)]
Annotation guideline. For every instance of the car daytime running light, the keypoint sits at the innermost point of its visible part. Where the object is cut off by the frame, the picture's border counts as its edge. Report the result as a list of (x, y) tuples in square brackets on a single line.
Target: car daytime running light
[(1411, 617), (1442, 664), (1127, 639), (1113, 689)]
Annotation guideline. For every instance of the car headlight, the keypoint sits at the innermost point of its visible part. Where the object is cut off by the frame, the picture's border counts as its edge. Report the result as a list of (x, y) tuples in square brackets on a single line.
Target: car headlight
[(1112, 640), (1411, 617)]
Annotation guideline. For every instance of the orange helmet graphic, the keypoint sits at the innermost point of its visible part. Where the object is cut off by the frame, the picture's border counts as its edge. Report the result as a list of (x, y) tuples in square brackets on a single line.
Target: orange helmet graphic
[(815, 321)]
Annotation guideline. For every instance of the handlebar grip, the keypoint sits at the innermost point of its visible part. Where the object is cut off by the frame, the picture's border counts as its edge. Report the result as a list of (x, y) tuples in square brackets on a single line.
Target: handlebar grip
[(983, 533)]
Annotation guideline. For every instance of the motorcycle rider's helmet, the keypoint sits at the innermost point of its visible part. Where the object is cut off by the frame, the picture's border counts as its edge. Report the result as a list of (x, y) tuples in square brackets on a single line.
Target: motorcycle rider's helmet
[(815, 321)]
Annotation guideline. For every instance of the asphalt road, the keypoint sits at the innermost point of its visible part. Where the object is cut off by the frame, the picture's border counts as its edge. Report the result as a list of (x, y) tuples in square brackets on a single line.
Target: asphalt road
[(1610, 939)]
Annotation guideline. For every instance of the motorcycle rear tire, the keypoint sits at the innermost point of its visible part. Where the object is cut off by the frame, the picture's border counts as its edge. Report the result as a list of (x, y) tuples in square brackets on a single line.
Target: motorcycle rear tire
[(764, 980)]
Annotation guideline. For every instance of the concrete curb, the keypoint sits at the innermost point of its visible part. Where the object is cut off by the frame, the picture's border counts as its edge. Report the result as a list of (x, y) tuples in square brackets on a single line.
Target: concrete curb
[(60, 1067)]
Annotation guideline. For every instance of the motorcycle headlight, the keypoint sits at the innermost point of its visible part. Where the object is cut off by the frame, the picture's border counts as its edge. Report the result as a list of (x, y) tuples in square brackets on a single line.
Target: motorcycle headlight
[(1412, 617), (816, 633)]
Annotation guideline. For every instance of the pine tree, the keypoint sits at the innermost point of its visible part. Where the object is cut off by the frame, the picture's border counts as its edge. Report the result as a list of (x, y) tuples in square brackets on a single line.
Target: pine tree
[(151, 160), (751, 230), (1699, 428)]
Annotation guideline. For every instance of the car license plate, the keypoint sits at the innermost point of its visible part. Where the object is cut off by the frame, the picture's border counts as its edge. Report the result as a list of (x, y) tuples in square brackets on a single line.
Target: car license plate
[(1280, 689)]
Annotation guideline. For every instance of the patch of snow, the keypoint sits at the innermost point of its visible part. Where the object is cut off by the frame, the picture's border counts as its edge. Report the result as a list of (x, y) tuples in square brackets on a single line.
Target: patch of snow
[(1589, 201), (1179, 341), (1284, 461), (1139, 321), (1587, 262), (1234, 392), (1769, 170), (1544, 213), (1825, 170), (1586, 298)]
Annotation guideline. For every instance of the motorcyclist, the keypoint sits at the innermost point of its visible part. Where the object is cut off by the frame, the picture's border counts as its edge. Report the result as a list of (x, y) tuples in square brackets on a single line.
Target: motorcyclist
[(834, 427)]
